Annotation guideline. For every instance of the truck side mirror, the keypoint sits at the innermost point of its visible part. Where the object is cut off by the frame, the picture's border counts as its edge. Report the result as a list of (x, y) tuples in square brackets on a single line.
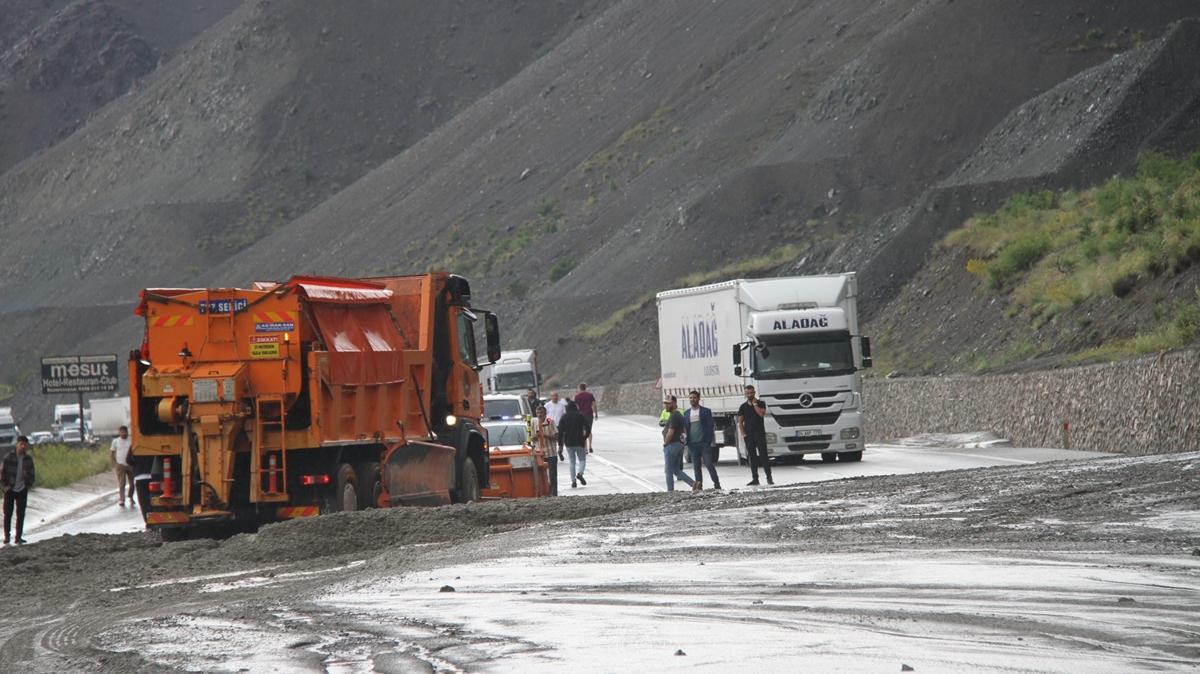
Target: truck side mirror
[(540, 379), (737, 370), (865, 343), (492, 328), (737, 355)]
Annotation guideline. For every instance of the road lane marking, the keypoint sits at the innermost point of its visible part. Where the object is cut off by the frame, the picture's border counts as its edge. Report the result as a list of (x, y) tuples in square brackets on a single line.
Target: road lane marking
[(627, 473)]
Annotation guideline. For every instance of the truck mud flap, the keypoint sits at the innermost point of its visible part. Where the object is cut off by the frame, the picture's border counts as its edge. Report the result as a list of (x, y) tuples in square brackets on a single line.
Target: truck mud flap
[(419, 473)]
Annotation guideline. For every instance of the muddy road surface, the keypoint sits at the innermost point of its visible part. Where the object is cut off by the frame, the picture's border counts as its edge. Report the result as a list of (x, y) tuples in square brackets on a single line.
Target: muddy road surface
[(1051, 567)]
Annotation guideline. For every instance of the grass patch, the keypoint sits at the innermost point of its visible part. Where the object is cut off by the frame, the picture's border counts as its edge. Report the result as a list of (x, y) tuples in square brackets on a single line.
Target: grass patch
[(1050, 251), (598, 330), (561, 268), (775, 258), (751, 265), (59, 465), (1182, 328)]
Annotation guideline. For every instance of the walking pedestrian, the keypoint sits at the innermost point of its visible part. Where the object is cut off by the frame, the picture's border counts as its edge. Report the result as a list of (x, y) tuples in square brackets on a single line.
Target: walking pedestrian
[(574, 429), (16, 479), (588, 408), (701, 440), (119, 452), (555, 409), (673, 447), (545, 439), (754, 432)]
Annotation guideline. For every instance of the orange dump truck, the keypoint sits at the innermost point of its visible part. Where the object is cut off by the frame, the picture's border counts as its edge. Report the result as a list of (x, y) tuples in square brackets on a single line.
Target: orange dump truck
[(311, 396)]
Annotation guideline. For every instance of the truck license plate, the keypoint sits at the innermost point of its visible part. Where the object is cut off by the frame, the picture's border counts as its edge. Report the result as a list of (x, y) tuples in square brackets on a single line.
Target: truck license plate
[(808, 433)]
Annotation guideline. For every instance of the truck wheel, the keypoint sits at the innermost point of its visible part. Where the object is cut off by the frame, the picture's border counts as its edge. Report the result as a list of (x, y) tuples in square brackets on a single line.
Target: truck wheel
[(850, 456), (347, 489), (828, 457), (468, 482), (371, 480)]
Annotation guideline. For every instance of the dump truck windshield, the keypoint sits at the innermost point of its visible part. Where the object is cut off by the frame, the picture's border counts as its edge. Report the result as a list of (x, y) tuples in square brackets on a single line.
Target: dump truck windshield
[(821, 354)]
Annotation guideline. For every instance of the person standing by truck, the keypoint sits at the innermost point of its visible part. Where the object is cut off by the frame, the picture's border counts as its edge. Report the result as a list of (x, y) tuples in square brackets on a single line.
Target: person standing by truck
[(750, 422), (119, 451), (701, 440), (588, 408), (16, 479), (545, 439), (555, 408), (673, 448), (574, 429)]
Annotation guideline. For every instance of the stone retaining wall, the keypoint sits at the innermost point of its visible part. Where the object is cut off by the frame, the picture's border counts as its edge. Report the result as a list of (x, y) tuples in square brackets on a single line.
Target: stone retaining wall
[(1148, 405)]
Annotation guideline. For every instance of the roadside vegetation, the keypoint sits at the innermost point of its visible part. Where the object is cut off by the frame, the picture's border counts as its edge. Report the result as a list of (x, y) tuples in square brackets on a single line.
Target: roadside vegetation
[(751, 266), (1049, 252), (59, 465)]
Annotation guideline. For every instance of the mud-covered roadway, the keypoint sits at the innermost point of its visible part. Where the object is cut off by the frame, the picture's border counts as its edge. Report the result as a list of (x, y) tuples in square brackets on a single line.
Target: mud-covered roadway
[(1043, 567)]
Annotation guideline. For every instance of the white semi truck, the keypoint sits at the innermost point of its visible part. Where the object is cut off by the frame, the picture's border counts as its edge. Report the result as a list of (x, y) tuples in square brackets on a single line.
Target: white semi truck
[(795, 339), (515, 372)]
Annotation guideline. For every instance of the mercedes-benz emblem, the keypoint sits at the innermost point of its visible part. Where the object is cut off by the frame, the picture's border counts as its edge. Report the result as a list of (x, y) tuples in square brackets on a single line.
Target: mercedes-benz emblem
[(806, 400)]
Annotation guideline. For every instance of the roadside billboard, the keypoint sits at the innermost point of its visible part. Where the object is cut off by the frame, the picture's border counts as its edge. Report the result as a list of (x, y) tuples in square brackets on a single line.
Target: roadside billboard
[(80, 374)]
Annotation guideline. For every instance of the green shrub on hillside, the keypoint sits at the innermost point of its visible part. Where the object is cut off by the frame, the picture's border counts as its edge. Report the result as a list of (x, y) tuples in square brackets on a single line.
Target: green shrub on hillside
[(1054, 250)]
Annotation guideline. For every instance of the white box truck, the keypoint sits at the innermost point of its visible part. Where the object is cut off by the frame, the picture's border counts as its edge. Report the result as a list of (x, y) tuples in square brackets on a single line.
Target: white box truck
[(795, 339), (515, 372), (108, 415)]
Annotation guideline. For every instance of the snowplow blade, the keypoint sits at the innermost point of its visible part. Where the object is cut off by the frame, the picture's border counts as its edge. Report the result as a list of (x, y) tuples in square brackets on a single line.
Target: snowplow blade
[(513, 475), (419, 473)]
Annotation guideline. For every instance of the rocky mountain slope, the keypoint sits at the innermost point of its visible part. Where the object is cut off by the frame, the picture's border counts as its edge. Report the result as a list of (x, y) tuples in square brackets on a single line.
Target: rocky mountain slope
[(574, 157)]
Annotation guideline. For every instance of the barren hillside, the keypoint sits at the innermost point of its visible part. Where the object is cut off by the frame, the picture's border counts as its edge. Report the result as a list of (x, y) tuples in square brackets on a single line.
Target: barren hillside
[(574, 157)]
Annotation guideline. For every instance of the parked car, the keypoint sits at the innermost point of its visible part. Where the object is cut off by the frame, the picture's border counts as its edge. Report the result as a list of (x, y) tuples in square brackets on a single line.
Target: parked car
[(71, 436), (502, 407), (41, 437), (508, 434)]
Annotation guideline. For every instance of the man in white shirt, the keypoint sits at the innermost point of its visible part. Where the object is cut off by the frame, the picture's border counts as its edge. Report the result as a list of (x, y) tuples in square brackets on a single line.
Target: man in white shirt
[(554, 410), (120, 457)]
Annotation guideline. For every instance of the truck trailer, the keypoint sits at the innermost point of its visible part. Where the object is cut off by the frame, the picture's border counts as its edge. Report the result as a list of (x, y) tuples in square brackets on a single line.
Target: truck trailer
[(107, 416), (795, 339), (310, 396)]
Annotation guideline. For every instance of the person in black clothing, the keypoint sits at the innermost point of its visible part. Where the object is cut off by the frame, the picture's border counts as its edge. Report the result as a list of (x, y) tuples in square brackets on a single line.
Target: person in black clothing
[(573, 428), (754, 432), (16, 479), (534, 401)]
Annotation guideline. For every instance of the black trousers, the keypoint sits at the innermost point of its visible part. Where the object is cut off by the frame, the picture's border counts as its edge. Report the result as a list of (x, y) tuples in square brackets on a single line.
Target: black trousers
[(17, 498), (756, 450)]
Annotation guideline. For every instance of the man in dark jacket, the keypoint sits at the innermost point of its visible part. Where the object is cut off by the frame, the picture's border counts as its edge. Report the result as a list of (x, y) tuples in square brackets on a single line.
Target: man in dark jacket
[(574, 431), (701, 440), (16, 479)]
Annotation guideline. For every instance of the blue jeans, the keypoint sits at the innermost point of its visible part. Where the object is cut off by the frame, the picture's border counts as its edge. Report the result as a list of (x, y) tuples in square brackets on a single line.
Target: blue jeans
[(703, 452), (672, 455), (577, 455)]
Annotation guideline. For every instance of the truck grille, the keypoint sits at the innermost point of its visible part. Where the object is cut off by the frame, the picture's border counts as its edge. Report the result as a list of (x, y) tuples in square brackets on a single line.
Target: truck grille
[(813, 444), (821, 419)]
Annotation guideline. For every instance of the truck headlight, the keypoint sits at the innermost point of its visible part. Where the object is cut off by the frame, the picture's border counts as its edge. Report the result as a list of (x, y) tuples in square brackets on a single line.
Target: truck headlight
[(772, 438), (451, 420), (850, 433)]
